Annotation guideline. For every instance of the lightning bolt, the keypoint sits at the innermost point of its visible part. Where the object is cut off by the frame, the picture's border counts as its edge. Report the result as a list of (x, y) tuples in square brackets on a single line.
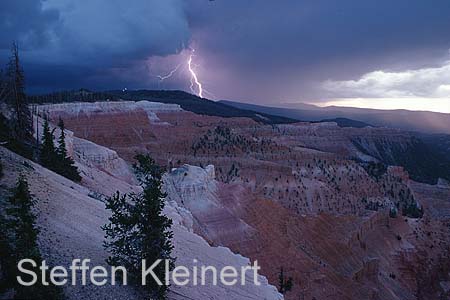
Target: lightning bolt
[(194, 78), (196, 86), (168, 75)]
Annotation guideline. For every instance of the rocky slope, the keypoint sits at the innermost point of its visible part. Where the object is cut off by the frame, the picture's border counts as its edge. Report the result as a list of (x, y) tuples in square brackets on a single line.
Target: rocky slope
[(301, 196), (347, 257), (70, 216)]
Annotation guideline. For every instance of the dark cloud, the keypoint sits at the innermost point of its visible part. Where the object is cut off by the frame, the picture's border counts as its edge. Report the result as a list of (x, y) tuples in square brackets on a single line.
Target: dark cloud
[(26, 21), (116, 32), (85, 43), (251, 50), (287, 32), (280, 49)]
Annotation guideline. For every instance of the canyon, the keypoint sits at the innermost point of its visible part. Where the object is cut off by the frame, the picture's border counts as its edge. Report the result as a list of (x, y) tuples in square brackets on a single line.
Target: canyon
[(312, 198)]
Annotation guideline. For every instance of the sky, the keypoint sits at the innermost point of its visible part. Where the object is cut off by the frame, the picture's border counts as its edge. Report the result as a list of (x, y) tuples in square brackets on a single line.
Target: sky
[(367, 53)]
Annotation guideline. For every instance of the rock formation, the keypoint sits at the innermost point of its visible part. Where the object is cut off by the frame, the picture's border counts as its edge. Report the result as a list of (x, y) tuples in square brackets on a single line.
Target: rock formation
[(296, 196)]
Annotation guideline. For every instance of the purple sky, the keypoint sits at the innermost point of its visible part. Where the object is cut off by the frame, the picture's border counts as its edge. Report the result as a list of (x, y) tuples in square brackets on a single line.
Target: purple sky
[(253, 51)]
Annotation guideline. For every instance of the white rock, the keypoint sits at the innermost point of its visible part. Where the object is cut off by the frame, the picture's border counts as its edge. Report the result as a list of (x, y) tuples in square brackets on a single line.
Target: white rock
[(70, 223), (105, 107)]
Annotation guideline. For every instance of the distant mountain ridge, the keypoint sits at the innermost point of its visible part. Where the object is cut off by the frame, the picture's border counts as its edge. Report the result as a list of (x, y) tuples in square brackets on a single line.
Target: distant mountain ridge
[(199, 105), (187, 101), (421, 121)]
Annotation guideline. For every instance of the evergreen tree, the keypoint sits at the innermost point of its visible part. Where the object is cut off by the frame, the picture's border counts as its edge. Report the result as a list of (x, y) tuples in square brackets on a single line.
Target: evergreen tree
[(138, 229), (12, 92), (23, 219), (284, 285), (48, 156), (56, 158), (19, 241), (62, 151), (66, 165), (3, 87), (412, 210), (17, 97), (393, 212)]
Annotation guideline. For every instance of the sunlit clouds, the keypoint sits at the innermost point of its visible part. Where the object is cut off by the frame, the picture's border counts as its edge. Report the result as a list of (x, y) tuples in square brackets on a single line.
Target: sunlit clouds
[(421, 89), (420, 104)]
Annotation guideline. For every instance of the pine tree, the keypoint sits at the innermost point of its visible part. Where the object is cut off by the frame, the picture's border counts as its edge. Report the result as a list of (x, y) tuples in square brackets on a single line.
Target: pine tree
[(138, 229), (18, 233), (16, 82), (62, 151), (284, 285), (157, 235), (12, 92), (3, 87), (66, 165), (19, 241), (56, 159), (48, 156), (24, 219)]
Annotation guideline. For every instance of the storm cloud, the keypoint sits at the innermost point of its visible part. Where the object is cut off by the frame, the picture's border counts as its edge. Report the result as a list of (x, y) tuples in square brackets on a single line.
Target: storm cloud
[(256, 51), (27, 22), (86, 41)]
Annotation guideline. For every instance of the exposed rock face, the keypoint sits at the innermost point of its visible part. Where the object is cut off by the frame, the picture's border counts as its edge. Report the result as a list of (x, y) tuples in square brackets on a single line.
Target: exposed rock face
[(93, 108), (91, 159), (369, 271), (195, 189), (292, 196), (103, 159), (353, 257), (442, 182), (70, 218), (140, 115)]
